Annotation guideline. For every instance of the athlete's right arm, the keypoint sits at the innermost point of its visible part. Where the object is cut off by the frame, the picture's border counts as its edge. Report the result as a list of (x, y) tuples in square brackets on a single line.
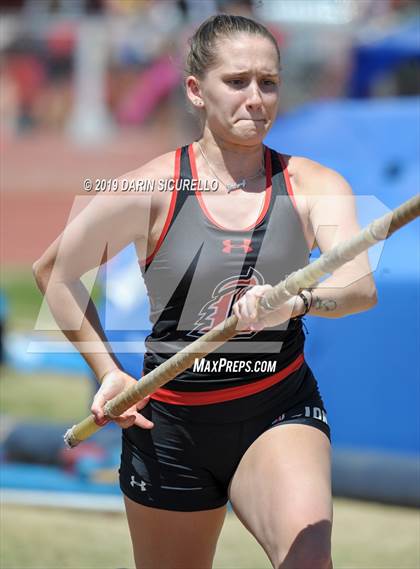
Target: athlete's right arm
[(102, 229)]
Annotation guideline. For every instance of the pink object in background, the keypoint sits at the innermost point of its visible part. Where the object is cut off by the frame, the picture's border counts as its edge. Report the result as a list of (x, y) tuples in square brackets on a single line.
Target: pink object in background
[(153, 85)]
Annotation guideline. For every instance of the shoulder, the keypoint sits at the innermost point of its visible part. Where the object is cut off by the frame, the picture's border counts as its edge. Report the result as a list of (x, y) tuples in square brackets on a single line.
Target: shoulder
[(137, 196), (327, 197), (310, 178), (144, 186), (323, 196), (160, 168)]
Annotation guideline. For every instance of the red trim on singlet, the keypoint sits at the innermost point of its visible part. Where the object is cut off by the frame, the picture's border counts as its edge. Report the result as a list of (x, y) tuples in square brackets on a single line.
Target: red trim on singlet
[(170, 214), (227, 394), (266, 199)]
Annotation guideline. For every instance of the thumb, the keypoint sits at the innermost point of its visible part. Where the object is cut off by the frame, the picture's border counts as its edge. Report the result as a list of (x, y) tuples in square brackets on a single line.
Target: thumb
[(262, 290)]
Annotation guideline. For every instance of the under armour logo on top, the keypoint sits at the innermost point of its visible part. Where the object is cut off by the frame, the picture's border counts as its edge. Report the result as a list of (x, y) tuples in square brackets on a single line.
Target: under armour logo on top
[(245, 245), (142, 484)]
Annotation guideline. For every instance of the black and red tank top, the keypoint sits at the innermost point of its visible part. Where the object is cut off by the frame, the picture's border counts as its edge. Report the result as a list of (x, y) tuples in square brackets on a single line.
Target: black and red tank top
[(199, 269)]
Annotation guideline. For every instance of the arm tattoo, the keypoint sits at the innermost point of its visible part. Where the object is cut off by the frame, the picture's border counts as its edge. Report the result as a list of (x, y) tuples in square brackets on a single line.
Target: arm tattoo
[(327, 304)]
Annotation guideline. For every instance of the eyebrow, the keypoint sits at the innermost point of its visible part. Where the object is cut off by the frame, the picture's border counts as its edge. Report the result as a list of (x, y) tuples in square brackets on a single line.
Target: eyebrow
[(267, 73)]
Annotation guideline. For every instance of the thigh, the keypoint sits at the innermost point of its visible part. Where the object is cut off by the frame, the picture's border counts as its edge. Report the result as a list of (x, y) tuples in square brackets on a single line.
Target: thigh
[(281, 491), (164, 539), (165, 467)]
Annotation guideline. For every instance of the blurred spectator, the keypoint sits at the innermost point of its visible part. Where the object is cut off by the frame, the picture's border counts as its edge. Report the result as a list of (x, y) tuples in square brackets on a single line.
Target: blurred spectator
[(3, 320), (375, 9), (25, 75), (55, 99), (237, 7), (195, 11), (36, 9), (144, 46), (146, 66), (9, 101), (126, 7), (12, 5)]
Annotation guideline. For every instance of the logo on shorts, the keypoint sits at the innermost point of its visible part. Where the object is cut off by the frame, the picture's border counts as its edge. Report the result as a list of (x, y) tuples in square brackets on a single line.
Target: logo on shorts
[(316, 413), (142, 484), (224, 296), (309, 413)]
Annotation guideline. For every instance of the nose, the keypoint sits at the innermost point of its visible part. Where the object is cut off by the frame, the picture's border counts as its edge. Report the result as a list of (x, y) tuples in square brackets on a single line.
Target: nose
[(254, 96)]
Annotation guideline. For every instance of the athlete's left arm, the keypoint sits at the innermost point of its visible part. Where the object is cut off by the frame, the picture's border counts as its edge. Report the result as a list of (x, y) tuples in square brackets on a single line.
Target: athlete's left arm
[(326, 206), (331, 207)]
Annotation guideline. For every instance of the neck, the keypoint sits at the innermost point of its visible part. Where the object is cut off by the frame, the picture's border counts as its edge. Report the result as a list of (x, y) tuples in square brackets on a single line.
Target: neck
[(232, 160)]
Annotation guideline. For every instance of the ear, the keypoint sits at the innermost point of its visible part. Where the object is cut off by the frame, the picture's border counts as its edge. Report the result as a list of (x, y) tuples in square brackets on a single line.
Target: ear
[(192, 86)]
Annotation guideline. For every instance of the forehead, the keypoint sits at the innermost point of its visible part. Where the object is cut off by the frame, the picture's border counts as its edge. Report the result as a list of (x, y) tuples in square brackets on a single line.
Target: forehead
[(242, 52)]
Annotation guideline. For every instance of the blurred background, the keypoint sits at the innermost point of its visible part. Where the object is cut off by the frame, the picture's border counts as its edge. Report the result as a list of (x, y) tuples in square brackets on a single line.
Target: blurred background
[(93, 89)]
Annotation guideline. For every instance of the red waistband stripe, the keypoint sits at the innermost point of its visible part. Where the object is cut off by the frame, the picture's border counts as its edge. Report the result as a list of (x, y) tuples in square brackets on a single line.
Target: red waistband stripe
[(227, 394)]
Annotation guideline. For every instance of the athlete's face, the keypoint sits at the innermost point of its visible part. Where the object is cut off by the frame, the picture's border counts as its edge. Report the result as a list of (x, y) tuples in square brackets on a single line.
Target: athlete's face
[(240, 93)]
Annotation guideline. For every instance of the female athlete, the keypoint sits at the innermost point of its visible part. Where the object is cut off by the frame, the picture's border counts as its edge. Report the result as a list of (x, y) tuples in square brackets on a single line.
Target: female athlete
[(227, 219)]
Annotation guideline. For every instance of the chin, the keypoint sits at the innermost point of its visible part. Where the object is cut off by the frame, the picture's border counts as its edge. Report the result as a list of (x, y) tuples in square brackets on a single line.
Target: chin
[(250, 136)]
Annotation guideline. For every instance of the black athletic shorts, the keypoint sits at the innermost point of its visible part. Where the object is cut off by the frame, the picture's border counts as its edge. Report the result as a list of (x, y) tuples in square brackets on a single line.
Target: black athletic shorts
[(186, 462)]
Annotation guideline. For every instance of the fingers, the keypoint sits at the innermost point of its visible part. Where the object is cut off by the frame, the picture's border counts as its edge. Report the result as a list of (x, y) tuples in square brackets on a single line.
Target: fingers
[(143, 403), (133, 417), (142, 422), (246, 309), (125, 421), (128, 419)]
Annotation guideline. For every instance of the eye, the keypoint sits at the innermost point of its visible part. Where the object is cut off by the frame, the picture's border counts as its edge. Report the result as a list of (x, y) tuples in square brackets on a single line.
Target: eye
[(236, 82), (269, 82)]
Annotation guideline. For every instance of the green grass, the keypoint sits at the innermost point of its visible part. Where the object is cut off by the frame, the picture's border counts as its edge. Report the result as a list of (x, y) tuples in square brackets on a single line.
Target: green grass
[(366, 536), (52, 539), (375, 536), (24, 298), (47, 397)]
